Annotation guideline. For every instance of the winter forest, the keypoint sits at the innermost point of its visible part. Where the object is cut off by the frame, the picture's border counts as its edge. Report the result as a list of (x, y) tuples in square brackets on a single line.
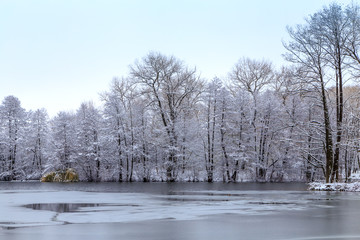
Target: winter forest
[(164, 122)]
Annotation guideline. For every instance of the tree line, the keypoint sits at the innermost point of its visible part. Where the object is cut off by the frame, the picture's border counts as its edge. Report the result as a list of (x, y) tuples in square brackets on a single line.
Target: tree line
[(163, 122)]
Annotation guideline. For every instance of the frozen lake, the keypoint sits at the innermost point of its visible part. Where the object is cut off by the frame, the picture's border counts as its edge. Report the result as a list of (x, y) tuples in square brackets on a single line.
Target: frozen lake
[(176, 211)]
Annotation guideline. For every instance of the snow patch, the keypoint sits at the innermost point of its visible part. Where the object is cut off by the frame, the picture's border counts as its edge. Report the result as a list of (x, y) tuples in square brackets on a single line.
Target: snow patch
[(344, 187)]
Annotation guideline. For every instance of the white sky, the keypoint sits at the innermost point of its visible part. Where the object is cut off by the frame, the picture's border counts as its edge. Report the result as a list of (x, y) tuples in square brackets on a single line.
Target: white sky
[(57, 54)]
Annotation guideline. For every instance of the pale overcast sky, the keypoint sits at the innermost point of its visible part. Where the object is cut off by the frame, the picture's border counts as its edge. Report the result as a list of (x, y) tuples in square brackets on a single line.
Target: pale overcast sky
[(57, 54)]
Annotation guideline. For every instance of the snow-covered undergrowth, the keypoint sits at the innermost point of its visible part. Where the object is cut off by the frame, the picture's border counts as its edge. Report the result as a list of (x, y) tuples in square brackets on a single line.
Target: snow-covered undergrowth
[(345, 187)]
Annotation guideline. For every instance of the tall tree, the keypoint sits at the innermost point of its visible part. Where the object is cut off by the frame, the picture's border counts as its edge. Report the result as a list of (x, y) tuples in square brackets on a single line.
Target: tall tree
[(211, 102), (168, 84), (352, 41), (88, 159), (62, 142), (306, 50), (36, 142), (253, 76), (331, 25), (13, 120)]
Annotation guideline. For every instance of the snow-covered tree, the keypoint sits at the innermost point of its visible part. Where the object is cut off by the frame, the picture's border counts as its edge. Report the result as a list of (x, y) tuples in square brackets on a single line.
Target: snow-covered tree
[(36, 143), (254, 76), (87, 148), (169, 85), (63, 144), (13, 118)]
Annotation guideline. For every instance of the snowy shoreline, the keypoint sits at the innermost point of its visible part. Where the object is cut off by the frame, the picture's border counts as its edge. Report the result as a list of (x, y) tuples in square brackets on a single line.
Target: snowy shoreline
[(339, 187)]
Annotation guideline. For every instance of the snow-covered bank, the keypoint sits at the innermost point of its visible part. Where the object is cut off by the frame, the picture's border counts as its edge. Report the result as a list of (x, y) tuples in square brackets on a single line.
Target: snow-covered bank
[(345, 187)]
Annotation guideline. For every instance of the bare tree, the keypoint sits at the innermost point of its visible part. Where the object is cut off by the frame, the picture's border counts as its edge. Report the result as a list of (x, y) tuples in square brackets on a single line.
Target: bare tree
[(306, 49), (352, 41), (332, 26)]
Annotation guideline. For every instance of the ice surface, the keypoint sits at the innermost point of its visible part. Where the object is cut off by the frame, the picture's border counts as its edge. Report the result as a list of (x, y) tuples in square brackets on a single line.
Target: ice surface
[(178, 211), (118, 207)]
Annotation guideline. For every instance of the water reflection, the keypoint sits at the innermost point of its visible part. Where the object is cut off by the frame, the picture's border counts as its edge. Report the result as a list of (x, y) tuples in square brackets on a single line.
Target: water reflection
[(157, 187), (60, 207)]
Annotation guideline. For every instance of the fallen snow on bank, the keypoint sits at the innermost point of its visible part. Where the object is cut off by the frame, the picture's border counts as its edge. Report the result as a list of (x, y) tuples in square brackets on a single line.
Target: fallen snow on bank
[(345, 187)]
